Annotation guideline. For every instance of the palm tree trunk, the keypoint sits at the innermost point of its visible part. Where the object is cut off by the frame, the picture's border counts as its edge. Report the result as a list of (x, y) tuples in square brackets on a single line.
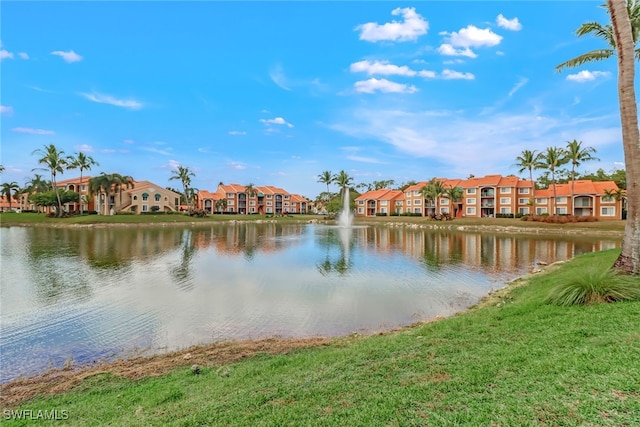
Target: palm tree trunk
[(533, 192), (629, 259)]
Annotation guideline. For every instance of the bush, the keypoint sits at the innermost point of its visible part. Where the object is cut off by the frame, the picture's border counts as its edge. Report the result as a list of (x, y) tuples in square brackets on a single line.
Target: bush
[(593, 286)]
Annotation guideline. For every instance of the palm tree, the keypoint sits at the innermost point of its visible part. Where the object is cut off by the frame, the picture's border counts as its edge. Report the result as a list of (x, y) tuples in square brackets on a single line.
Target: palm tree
[(9, 190), (625, 28), (343, 180), (184, 174), (55, 163), (530, 160), (553, 158), (105, 185), (1, 168), (432, 190), (454, 194), (606, 33), (326, 177), (37, 184), (83, 162), (221, 205), (576, 154)]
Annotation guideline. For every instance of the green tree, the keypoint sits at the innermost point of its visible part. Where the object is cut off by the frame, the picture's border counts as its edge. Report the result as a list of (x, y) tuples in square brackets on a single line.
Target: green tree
[(529, 160), (626, 25), (454, 194), (184, 174), (343, 180), (551, 160), (326, 177), (9, 190), (82, 162), (433, 190), (606, 33), (576, 155), (105, 186), (56, 164), (221, 205)]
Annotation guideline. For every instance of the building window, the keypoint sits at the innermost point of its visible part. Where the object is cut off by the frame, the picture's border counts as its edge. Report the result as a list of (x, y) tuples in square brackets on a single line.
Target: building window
[(269, 196), (252, 203), (361, 202), (416, 210), (471, 191), (252, 210), (230, 195), (523, 201), (471, 211), (505, 210), (444, 201), (135, 197), (157, 197), (541, 200), (383, 203), (417, 202), (524, 211), (145, 197), (383, 210), (416, 192), (145, 208), (607, 211), (561, 200), (269, 210), (561, 210), (269, 203), (505, 201), (523, 191), (541, 211), (444, 209), (230, 202), (607, 199), (505, 190), (471, 201)]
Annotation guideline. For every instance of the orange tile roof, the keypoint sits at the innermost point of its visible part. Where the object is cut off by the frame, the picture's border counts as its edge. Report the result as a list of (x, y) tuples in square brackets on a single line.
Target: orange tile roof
[(382, 194)]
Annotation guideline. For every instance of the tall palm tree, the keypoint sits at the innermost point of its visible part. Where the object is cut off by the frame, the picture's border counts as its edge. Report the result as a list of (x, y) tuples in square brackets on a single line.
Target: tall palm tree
[(606, 33), (576, 155), (530, 160), (626, 29), (55, 163), (83, 162), (184, 174), (99, 185), (221, 205), (326, 177), (343, 180), (9, 190), (454, 194), (553, 158), (105, 185), (1, 168), (122, 181)]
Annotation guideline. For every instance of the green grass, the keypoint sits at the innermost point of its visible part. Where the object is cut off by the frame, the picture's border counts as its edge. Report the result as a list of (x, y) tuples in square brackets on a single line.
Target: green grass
[(12, 218), (594, 285), (515, 361)]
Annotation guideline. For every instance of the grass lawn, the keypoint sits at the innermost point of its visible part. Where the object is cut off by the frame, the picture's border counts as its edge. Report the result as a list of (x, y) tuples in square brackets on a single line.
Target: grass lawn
[(511, 361), (472, 224)]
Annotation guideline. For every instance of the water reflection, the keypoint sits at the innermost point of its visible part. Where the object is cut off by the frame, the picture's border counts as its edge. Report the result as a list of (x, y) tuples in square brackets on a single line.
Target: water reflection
[(103, 292)]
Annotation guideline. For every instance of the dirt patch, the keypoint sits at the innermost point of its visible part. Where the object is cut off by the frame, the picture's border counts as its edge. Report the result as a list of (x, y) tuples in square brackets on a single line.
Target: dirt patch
[(60, 380)]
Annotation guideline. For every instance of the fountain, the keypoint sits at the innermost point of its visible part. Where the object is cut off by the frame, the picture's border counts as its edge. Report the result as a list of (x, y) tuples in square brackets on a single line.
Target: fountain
[(345, 217)]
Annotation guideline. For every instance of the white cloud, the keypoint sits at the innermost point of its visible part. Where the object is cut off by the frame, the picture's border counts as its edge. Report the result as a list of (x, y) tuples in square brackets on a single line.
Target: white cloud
[(383, 85), (278, 77), (451, 75), (587, 76), (33, 131), (237, 132), (448, 50), (131, 104), (6, 110), (412, 26), (23, 55), (128, 141), (276, 121), (84, 148), (427, 74), (460, 43), (237, 165), (5, 54), (508, 24), (523, 81), (69, 56), (165, 152), (381, 67)]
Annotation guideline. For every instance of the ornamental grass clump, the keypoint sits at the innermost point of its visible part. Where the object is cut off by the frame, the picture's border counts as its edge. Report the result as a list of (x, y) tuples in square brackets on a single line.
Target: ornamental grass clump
[(592, 286)]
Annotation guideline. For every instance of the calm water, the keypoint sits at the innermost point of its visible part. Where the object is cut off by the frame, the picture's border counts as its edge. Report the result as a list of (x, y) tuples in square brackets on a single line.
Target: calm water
[(90, 294)]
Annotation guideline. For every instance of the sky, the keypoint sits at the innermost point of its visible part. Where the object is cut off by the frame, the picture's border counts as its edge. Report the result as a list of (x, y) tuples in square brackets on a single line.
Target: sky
[(275, 93)]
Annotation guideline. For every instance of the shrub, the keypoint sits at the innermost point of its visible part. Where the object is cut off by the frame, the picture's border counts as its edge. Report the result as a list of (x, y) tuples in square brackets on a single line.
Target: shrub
[(593, 286)]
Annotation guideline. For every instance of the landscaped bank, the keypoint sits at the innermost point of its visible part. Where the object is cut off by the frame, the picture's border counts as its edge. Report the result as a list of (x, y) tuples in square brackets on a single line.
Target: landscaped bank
[(514, 360)]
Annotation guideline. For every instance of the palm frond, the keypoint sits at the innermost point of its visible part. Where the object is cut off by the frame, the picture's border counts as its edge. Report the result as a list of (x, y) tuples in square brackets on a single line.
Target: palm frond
[(593, 56)]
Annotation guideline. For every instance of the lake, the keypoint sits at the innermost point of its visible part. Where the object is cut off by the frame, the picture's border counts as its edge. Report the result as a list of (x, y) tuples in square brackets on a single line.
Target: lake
[(87, 294)]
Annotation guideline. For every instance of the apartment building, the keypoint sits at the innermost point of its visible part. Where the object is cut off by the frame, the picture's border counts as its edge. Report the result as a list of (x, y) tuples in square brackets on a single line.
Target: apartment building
[(263, 200), (491, 195)]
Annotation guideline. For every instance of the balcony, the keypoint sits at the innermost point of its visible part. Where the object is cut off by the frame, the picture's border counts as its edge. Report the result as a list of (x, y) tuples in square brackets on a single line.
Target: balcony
[(488, 204), (488, 193)]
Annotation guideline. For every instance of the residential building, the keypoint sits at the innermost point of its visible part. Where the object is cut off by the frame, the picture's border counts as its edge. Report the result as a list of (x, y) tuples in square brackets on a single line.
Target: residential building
[(380, 202), (264, 200)]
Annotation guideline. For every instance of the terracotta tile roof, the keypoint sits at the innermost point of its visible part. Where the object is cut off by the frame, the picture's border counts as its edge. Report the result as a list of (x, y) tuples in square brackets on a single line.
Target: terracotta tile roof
[(382, 194), (204, 194), (416, 187)]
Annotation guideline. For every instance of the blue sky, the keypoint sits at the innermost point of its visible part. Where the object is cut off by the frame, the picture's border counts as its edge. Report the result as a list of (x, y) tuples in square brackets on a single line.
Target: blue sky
[(274, 93)]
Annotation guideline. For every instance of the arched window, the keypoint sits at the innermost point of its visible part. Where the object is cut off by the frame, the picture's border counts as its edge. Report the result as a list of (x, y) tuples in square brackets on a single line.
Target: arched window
[(157, 197), (135, 197), (145, 196)]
